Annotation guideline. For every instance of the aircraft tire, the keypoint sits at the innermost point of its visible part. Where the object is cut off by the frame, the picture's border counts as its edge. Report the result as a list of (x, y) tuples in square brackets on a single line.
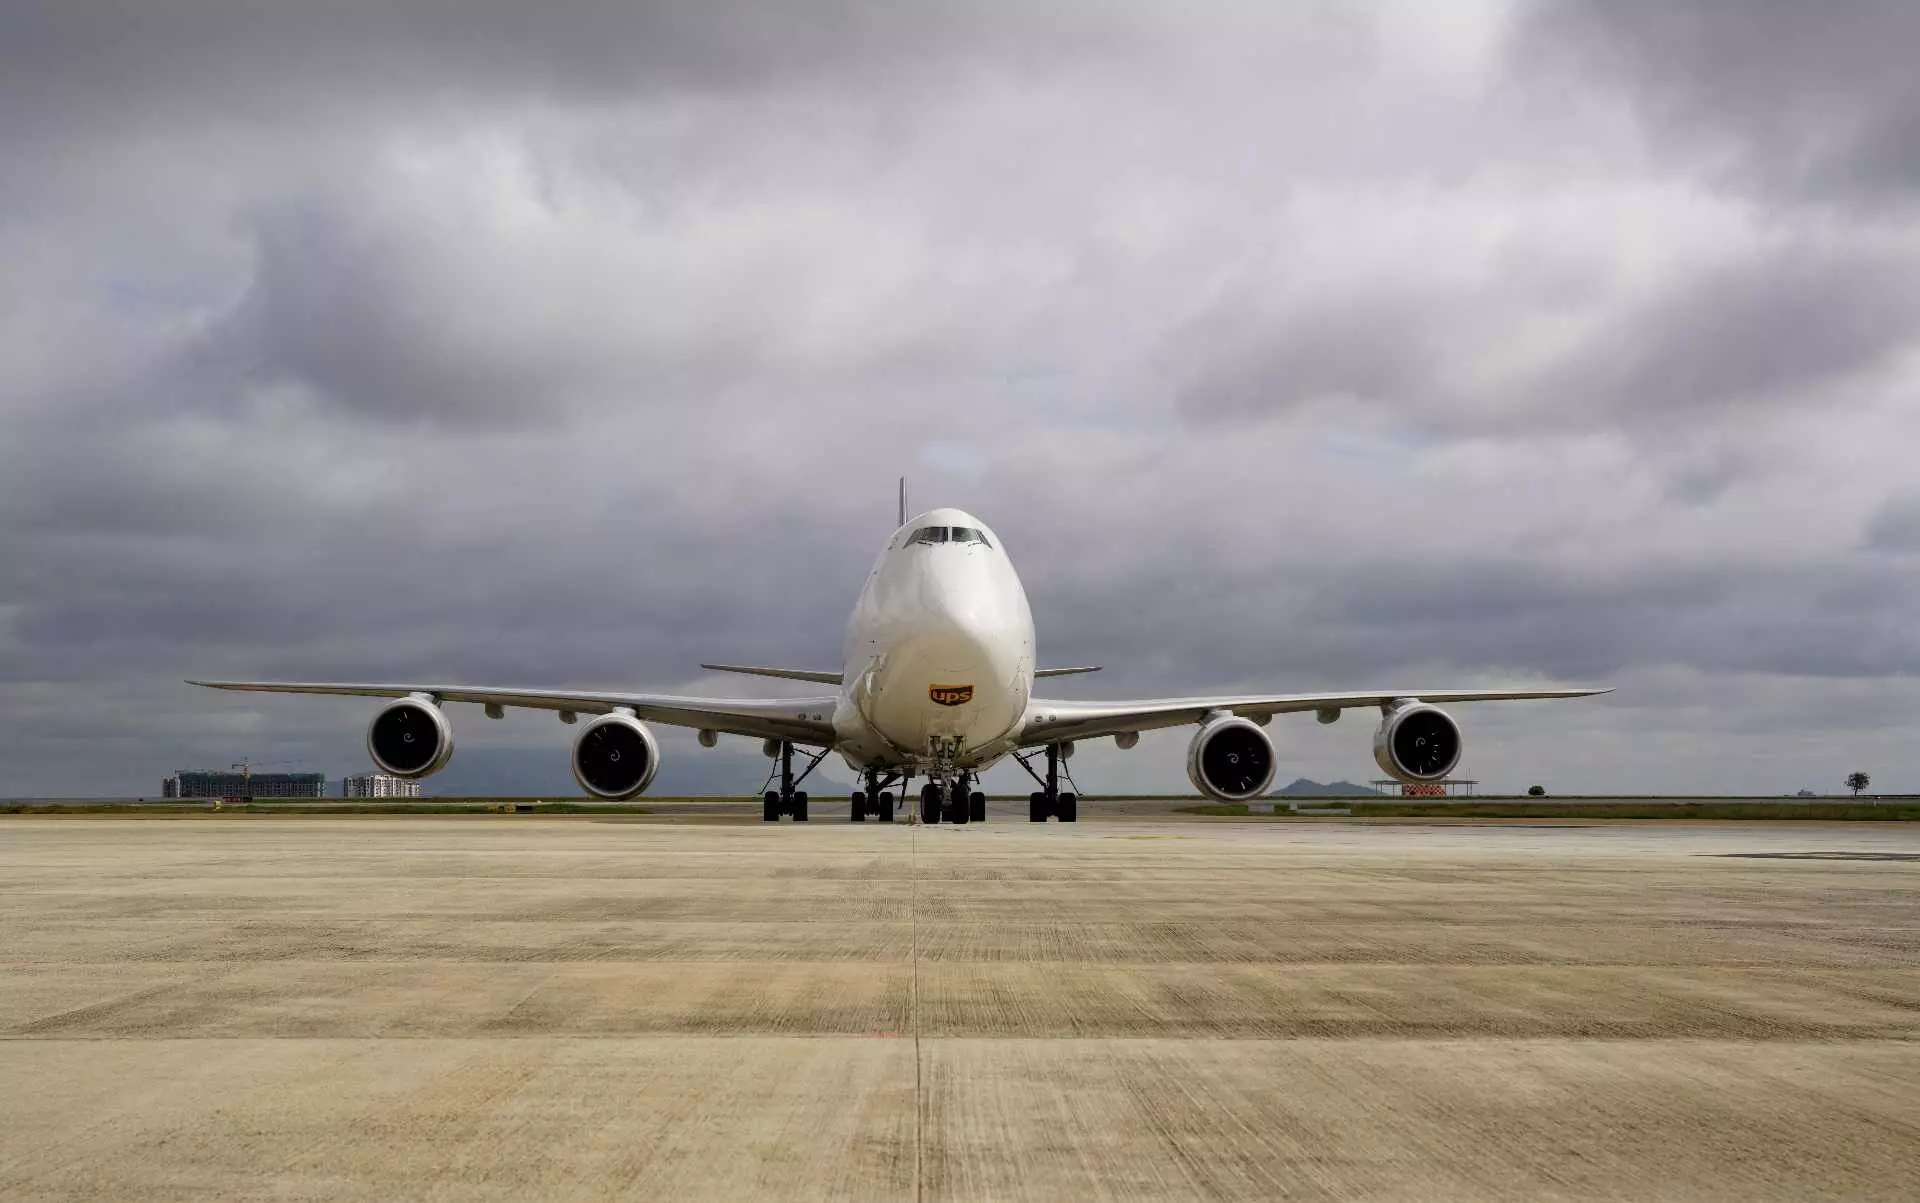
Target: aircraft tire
[(1069, 808), (930, 804), (800, 806), (770, 808), (886, 806), (859, 807), (977, 806), (957, 811), (1036, 807)]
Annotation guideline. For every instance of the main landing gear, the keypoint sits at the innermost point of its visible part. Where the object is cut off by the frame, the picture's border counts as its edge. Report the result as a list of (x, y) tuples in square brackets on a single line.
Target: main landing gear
[(1048, 802), (787, 800), (954, 801), (876, 799)]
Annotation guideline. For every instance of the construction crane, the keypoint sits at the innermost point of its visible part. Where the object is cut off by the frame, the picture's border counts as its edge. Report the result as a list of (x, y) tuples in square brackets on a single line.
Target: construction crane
[(246, 777)]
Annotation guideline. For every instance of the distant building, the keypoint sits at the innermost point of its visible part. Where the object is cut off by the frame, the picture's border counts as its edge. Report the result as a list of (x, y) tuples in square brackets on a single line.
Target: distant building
[(212, 783), (378, 785), (1450, 788)]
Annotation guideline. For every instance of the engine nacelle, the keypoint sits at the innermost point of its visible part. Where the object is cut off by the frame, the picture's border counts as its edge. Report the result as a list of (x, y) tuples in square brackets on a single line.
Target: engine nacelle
[(410, 738), (1230, 759), (1417, 743), (615, 757)]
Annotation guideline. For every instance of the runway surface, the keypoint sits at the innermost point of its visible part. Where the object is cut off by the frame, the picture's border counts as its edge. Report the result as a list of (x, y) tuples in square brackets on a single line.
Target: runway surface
[(516, 1008)]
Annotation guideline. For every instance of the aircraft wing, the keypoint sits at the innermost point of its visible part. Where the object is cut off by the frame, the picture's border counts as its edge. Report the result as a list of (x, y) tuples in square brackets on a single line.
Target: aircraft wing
[(1051, 721), (790, 674), (798, 720)]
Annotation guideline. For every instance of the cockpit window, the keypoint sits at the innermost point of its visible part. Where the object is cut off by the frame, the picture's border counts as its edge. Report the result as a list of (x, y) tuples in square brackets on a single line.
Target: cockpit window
[(948, 534)]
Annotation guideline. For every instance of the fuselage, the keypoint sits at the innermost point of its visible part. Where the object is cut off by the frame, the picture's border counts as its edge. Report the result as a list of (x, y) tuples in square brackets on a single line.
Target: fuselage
[(939, 654)]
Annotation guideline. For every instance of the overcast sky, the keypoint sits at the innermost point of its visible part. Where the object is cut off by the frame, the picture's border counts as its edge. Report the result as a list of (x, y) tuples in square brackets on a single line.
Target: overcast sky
[(1288, 347)]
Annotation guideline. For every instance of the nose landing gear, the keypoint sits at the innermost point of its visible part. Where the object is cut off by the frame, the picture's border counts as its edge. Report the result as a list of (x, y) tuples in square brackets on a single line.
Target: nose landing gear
[(954, 801), (950, 795), (960, 807)]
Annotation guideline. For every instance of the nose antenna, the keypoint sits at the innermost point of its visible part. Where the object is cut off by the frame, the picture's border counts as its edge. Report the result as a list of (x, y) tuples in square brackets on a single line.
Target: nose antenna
[(903, 503)]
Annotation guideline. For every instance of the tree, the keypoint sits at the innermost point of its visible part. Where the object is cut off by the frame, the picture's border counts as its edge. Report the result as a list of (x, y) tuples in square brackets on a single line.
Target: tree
[(1857, 782), (1536, 791)]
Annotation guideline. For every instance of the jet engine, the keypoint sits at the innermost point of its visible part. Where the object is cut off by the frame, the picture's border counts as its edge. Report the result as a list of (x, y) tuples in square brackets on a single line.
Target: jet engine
[(1416, 743), (1230, 759), (615, 757), (410, 738)]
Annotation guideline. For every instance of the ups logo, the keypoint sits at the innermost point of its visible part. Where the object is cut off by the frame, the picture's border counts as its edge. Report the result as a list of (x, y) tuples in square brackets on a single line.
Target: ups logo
[(951, 695)]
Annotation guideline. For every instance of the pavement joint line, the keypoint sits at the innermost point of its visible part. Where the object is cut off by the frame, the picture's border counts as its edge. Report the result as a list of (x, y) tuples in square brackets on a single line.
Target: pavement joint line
[(913, 1002)]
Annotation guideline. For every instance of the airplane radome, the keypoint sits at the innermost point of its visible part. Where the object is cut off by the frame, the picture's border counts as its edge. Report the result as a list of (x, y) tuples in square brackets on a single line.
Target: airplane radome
[(936, 683)]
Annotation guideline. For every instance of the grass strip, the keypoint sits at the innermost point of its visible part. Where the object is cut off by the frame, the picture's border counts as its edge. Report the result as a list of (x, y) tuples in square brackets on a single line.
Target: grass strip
[(164, 810), (1826, 811)]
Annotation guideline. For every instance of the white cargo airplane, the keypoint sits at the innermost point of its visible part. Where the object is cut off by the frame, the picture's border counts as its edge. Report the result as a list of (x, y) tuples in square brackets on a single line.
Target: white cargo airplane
[(937, 683)]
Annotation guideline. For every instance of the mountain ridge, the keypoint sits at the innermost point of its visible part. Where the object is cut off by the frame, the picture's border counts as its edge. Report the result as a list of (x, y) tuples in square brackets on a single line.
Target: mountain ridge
[(1303, 787)]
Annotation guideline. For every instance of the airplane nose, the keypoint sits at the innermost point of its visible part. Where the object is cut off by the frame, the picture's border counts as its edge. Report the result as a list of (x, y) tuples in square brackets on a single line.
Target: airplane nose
[(953, 677), (949, 656), (964, 653)]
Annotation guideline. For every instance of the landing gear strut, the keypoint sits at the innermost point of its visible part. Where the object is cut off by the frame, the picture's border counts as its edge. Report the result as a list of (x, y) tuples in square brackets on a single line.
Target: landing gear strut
[(953, 801), (949, 793), (787, 800), (1048, 802), (876, 799)]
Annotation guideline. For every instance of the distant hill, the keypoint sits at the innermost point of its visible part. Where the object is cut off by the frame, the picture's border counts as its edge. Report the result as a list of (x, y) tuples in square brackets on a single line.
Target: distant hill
[(1303, 788)]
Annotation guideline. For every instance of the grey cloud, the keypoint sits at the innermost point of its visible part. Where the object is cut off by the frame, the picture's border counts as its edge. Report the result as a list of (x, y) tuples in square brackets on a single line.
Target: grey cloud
[(1895, 527), (1836, 620), (391, 303), (1780, 326), (1804, 98), (1766, 330), (300, 600), (124, 63), (358, 312), (1366, 622), (1380, 348), (581, 346)]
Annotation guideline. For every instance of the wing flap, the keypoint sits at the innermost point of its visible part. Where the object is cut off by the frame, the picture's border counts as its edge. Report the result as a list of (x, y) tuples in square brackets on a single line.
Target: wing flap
[(801, 720), (785, 674), (1053, 721)]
